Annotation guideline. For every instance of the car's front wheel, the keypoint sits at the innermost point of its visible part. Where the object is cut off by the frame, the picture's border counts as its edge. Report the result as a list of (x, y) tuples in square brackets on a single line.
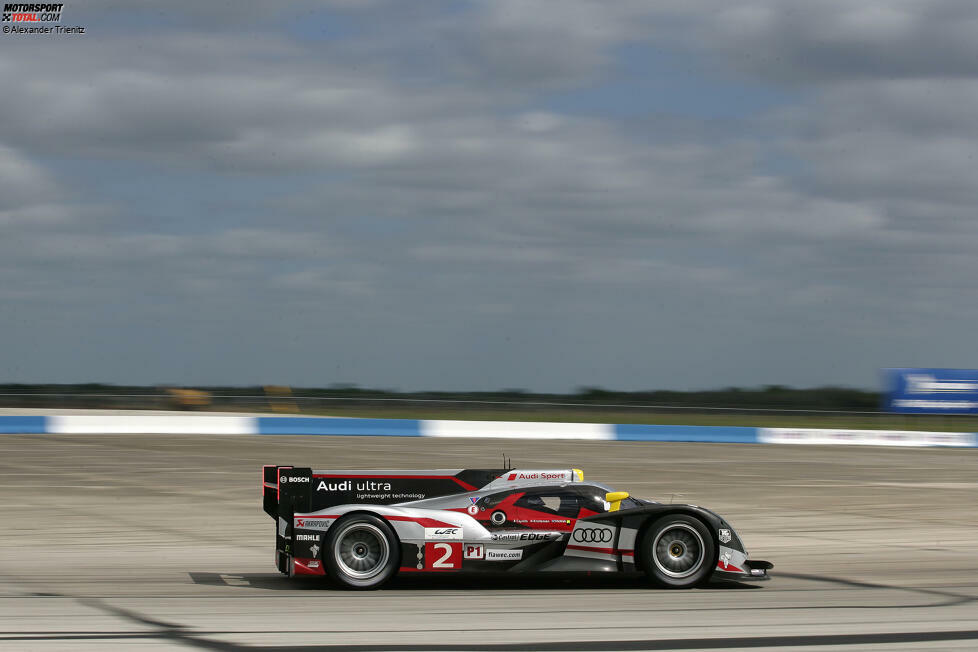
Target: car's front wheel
[(677, 551), (361, 552)]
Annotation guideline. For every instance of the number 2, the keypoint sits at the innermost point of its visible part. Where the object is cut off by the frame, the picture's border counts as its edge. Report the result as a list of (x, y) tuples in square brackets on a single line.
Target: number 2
[(443, 562), (443, 556)]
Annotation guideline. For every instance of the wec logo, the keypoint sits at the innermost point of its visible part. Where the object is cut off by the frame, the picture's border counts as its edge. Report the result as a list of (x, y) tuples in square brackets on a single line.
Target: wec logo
[(443, 533)]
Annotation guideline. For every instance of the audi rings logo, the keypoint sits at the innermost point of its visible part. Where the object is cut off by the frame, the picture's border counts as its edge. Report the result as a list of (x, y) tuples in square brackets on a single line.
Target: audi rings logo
[(593, 536)]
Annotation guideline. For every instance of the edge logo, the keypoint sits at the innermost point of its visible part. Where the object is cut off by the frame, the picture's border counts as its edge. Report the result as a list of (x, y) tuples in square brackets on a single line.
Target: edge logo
[(525, 536)]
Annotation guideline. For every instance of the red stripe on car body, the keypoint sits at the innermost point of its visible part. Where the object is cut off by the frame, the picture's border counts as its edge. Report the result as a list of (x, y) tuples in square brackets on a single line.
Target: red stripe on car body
[(421, 520), (730, 568)]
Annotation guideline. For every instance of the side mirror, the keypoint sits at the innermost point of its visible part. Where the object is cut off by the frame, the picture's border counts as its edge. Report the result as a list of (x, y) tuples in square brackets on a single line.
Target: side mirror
[(615, 498)]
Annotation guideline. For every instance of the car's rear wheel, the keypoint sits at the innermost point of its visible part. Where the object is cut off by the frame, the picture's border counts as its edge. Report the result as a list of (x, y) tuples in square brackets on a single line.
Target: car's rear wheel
[(677, 551), (361, 552)]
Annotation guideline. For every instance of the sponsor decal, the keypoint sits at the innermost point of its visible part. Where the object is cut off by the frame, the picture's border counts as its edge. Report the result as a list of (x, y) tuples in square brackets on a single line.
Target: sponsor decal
[(725, 536), (473, 551), (539, 475), (443, 533), (313, 524), (593, 535), (349, 485), (313, 564), (472, 509), (314, 549), (503, 555), (286, 479), (307, 537), (525, 536)]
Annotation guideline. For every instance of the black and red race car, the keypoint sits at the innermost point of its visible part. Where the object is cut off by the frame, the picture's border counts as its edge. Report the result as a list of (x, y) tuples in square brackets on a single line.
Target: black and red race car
[(361, 528)]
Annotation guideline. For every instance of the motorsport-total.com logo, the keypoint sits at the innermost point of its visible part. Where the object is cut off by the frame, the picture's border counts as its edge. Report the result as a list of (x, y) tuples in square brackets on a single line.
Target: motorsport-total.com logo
[(32, 18), (32, 13)]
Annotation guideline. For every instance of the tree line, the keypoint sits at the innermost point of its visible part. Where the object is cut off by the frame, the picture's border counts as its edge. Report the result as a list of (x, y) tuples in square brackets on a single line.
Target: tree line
[(766, 397)]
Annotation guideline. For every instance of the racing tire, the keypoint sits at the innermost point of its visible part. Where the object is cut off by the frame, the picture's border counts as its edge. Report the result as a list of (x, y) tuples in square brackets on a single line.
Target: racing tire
[(677, 552), (361, 552)]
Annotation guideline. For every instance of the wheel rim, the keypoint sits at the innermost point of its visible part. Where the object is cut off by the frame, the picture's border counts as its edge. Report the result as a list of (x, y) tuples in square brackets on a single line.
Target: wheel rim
[(361, 551), (678, 550)]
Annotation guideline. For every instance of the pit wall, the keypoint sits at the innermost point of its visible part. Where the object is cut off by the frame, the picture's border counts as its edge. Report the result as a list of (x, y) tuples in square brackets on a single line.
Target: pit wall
[(276, 425)]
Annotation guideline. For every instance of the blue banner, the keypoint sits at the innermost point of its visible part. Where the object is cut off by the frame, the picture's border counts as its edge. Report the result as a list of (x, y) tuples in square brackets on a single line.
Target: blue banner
[(931, 391)]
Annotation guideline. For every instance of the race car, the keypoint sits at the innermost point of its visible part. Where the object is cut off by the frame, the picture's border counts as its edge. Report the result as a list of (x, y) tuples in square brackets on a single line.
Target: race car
[(360, 528)]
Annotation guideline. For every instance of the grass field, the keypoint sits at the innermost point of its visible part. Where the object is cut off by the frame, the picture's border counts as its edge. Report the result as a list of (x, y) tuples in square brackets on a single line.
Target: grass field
[(583, 415)]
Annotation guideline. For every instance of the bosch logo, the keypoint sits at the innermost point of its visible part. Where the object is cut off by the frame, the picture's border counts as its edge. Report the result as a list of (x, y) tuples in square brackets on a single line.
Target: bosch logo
[(293, 478), (593, 536)]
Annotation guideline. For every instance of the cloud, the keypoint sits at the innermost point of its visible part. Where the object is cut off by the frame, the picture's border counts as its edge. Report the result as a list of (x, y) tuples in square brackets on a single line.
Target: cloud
[(389, 194), (827, 42), (27, 192)]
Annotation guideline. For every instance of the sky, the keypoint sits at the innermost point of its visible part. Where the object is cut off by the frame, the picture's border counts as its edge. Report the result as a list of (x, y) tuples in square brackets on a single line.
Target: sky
[(484, 195)]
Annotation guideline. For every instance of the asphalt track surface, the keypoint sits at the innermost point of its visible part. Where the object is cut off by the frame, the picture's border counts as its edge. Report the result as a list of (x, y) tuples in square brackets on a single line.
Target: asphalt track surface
[(157, 542)]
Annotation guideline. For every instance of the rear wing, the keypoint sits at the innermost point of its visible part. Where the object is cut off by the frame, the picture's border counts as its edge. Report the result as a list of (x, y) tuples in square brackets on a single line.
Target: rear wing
[(285, 486)]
